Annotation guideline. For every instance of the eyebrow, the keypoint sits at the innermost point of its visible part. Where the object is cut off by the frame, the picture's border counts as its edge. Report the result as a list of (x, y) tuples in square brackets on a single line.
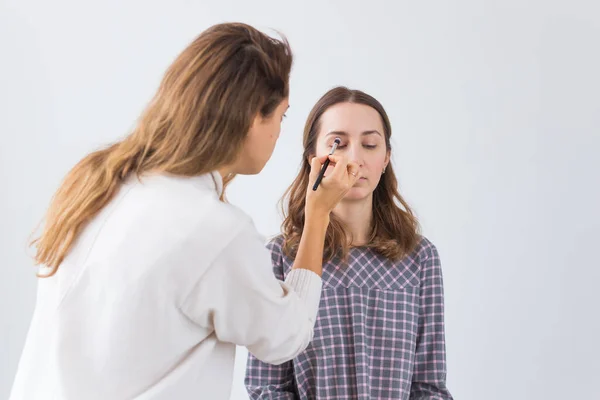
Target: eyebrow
[(364, 133)]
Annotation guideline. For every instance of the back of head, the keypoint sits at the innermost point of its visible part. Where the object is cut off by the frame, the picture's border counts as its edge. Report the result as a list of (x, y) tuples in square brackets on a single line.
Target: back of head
[(209, 97), (196, 123)]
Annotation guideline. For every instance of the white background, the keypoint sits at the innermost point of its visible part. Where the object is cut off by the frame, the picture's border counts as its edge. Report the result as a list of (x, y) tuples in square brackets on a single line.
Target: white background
[(495, 107)]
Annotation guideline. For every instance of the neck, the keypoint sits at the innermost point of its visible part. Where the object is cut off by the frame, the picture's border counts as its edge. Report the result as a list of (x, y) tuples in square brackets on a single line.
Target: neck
[(357, 218), (224, 172)]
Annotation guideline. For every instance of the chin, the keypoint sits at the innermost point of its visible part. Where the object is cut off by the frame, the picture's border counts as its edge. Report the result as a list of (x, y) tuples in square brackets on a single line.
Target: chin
[(357, 194), (254, 171), (251, 170)]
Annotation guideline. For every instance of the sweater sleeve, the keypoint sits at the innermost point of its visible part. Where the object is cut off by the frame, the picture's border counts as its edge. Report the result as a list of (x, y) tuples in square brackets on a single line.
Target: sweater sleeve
[(429, 377), (264, 381), (240, 299)]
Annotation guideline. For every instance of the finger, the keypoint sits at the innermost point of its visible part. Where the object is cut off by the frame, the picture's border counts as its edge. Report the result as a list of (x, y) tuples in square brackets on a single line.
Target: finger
[(341, 165), (353, 170), (334, 158), (323, 158)]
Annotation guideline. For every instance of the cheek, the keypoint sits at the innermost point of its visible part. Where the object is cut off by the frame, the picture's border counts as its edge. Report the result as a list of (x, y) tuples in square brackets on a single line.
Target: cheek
[(374, 168), (322, 149), (376, 163), (276, 131)]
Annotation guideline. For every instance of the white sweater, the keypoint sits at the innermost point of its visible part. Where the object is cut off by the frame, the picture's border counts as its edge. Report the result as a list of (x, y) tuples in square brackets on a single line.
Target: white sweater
[(154, 296)]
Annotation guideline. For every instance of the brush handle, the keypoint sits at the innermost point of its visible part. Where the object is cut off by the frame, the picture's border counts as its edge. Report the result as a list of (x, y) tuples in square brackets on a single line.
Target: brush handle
[(336, 143), (321, 174)]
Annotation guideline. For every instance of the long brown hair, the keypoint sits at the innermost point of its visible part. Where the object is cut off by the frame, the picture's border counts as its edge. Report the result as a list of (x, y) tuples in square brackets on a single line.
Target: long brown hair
[(395, 229), (195, 124)]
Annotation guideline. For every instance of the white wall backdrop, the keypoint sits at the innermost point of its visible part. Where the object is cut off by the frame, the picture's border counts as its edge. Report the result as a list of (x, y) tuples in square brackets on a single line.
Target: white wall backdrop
[(495, 107)]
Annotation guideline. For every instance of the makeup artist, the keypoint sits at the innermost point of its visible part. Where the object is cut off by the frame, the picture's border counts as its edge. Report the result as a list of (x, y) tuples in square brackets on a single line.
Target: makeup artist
[(148, 278)]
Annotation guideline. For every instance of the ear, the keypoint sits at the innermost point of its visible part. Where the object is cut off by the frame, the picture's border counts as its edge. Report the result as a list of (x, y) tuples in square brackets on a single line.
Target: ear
[(259, 119), (254, 126), (387, 159)]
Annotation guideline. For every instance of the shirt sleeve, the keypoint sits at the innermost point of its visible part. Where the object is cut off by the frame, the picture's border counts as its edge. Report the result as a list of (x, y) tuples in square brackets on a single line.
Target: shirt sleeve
[(240, 299), (429, 377), (265, 381)]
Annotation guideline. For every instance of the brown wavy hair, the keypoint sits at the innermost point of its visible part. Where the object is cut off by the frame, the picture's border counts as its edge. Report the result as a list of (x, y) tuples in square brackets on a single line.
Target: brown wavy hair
[(395, 230), (196, 123)]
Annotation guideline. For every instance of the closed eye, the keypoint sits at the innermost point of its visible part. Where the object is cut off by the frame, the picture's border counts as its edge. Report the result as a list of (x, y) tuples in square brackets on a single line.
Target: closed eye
[(366, 146), (341, 146)]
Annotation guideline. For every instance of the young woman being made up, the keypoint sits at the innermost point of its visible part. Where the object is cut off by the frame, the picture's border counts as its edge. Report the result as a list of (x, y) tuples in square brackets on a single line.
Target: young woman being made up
[(148, 277), (380, 327)]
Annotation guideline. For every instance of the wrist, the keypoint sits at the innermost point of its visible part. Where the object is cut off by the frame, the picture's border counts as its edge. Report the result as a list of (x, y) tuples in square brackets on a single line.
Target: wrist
[(317, 217)]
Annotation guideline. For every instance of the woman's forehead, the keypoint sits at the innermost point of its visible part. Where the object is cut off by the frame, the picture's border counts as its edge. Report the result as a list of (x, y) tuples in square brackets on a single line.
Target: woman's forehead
[(350, 119)]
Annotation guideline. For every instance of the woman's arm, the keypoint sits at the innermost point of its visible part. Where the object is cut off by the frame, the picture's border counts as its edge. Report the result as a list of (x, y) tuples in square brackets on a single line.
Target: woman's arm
[(429, 377), (241, 300), (266, 381)]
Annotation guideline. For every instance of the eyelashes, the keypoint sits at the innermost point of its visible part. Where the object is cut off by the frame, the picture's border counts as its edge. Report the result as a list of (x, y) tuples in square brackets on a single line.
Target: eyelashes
[(366, 146)]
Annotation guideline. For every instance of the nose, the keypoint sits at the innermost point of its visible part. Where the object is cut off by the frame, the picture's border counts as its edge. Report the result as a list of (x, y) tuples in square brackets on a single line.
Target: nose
[(355, 154)]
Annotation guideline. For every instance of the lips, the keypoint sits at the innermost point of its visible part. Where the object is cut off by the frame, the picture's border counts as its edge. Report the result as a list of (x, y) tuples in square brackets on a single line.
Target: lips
[(360, 180)]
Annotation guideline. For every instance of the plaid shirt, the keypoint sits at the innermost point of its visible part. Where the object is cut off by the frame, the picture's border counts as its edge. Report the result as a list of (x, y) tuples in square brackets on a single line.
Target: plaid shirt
[(379, 333)]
